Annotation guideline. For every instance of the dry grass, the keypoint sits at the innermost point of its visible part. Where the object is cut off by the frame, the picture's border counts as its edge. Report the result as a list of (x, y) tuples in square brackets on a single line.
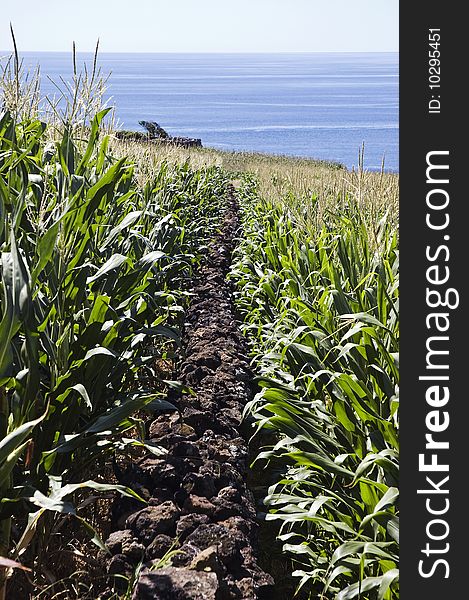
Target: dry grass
[(308, 185), (73, 104)]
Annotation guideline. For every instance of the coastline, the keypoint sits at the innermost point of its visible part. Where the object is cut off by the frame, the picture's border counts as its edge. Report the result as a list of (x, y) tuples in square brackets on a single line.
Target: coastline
[(319, 105)]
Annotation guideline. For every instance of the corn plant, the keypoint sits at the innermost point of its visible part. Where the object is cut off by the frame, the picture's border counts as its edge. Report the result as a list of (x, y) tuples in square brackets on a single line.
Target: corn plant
[(320, 305)]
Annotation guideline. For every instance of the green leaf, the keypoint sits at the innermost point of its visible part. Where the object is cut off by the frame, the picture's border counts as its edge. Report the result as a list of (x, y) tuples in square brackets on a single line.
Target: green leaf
[(93, 137), (16, 438), (323, 462), (356, 590), (45, 249), (112, 263), (388, 579), (93, 535)]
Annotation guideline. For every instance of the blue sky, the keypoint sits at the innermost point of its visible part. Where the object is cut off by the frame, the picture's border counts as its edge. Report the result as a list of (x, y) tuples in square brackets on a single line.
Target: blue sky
[(203, 25)]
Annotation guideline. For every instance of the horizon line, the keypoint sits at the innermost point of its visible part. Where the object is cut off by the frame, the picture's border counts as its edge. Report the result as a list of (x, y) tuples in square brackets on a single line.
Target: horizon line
[(209, 51)]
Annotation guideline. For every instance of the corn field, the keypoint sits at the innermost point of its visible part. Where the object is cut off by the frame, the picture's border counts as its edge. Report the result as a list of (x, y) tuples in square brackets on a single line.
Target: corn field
[(320, 306), (100, 243), (93, 286)]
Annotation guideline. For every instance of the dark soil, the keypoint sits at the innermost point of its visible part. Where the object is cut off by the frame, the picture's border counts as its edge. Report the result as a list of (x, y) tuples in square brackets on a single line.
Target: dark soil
[(198, 499)]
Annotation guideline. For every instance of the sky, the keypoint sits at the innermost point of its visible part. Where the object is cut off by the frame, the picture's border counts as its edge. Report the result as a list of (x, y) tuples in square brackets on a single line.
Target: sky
[(202, 25)]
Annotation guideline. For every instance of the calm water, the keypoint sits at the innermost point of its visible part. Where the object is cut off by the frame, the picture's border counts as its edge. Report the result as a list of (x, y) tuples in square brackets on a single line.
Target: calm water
[(316, 105)]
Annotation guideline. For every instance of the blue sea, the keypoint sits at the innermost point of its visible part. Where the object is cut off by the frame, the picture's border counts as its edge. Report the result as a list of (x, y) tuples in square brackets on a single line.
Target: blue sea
[(318, 105)]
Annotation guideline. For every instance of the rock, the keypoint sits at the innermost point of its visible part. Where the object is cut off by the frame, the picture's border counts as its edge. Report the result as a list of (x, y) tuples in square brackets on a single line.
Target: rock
[(198, 504), (161, 472), (207, 560), (230, 477), (170, 440), (184, 430), (133, 550), (185, 448), (186, 142), (131, 475), (239, 525), (176, 583), (208, 359), (224, 509), (207, 404), (119, 565), (228, 546), (117, 538), (159, 428), (210, 471), (189, 523), (230, 493), (185, 555), (180, 496), (194, 377), (246, 588), (159, 547), (200, 484), (164, 425), (207, 535), (149, 522), (232, 415), (160, 495), (122, 508), (260, 579), (200, 498)]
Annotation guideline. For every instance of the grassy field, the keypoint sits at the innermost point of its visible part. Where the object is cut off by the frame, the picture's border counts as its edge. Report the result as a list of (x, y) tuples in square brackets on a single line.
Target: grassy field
[(100, 239)]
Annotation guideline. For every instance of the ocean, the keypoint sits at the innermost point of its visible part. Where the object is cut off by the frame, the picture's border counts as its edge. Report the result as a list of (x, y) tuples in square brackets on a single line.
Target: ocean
[(318, 105)]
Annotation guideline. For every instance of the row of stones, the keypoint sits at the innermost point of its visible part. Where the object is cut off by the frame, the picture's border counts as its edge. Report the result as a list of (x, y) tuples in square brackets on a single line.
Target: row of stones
[(198, 501)]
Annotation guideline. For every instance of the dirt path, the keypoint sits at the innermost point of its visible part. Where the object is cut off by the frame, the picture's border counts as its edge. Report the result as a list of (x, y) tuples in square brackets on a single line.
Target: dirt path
[(197, 493)]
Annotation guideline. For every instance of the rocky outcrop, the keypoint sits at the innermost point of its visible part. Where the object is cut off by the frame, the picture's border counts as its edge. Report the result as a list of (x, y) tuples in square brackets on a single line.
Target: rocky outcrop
[(154, 130), (185, 142), (156, 133)]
